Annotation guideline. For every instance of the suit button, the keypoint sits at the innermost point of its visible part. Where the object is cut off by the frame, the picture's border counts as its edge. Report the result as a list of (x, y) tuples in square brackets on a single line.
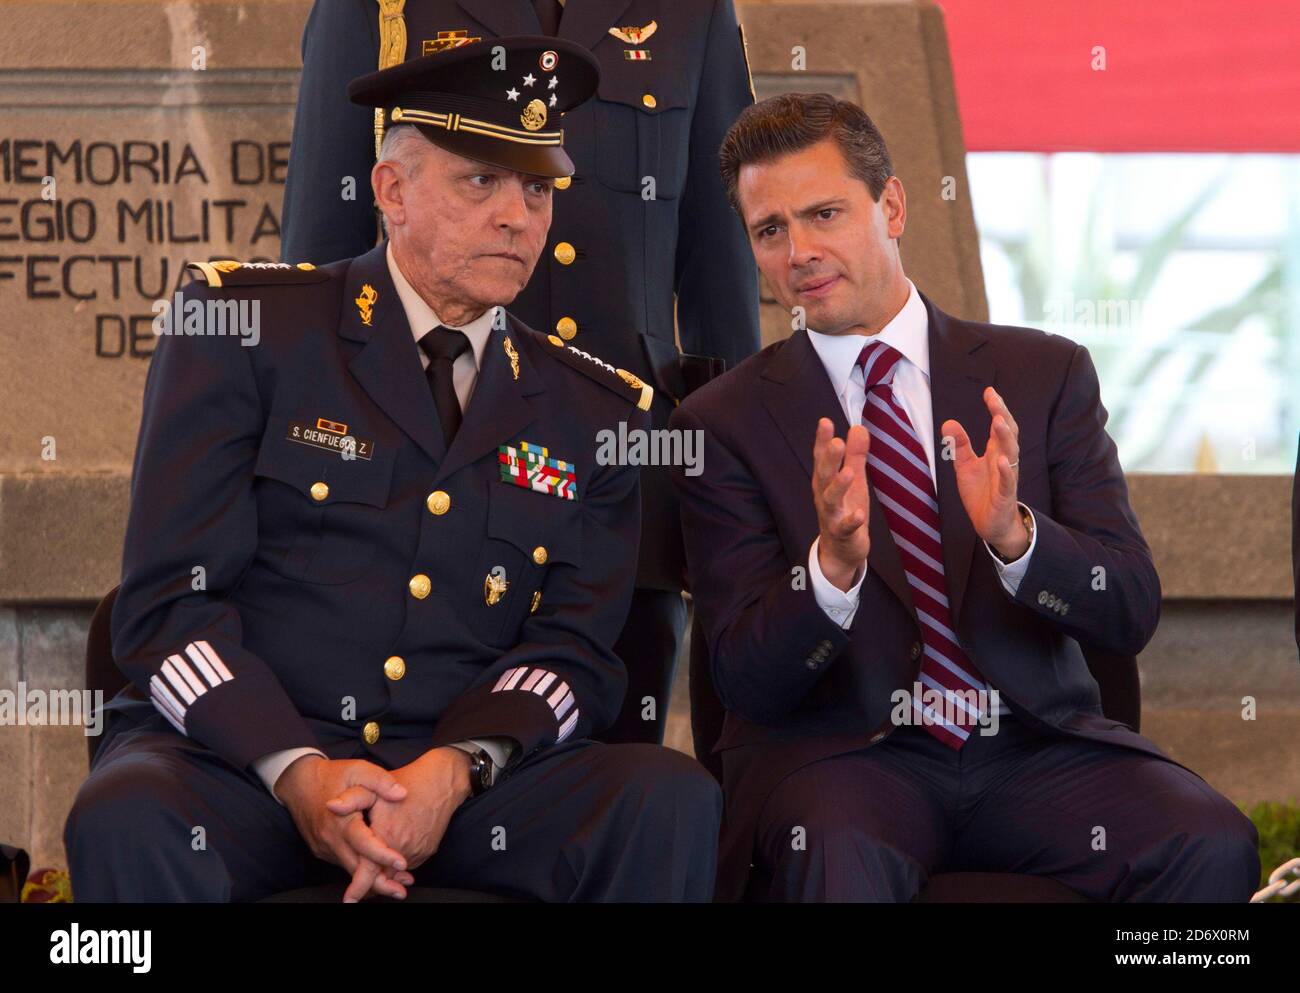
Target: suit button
[(537, 599), (539, 555), (650, 101), (1065, 608), (567, 327), (438, 502), (370, 732), (395, 667), (319, 491), (1042, 596), (916, 650), (825, 646), (563, 182), (420, 586), (811, 663), (564, 253), (878, 736)]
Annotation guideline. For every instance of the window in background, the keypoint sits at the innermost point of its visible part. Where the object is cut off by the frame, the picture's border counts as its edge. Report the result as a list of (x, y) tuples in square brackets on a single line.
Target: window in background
[(1181, 275)]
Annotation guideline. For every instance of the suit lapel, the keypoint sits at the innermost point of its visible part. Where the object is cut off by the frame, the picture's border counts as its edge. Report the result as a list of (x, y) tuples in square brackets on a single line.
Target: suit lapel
[(388, 367), (797, 392), (959, 371), (499, 409)]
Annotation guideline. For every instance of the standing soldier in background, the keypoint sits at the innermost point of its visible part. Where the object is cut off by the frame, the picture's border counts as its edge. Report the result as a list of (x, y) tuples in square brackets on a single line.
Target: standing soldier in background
[(644, 217)]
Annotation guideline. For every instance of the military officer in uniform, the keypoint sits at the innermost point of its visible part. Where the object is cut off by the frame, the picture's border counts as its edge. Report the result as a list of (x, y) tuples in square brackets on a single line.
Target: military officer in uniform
[(374, 569), (644, 217)]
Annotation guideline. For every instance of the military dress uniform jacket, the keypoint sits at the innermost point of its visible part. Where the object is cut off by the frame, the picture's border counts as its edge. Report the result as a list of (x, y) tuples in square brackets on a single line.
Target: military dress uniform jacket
[(614, 258), (277, 594)]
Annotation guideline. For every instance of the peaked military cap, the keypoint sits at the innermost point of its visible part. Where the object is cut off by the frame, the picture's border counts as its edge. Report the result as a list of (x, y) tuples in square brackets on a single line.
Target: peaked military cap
[(496, 100)]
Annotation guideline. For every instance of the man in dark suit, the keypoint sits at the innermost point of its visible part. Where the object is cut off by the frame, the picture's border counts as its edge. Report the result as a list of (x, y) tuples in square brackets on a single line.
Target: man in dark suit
[(643, 223), (901, 660), (368, 608)]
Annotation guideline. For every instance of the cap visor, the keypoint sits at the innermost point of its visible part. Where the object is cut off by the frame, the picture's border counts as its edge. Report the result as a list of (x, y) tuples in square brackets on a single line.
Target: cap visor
[(535, 160)]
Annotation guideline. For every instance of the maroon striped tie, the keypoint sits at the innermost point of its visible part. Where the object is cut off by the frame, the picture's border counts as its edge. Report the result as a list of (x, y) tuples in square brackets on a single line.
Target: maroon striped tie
[(901, 483)]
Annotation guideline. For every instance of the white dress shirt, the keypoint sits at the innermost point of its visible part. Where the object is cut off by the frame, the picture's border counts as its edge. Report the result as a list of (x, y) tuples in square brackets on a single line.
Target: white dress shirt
[(464, 374), (908, 334)]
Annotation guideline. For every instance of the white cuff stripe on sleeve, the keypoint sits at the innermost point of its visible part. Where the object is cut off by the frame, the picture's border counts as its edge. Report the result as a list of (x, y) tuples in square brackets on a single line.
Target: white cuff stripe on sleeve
[(175, 678), (181, 682), (215, 659), (538, 681), (567, 727), (166, 703)]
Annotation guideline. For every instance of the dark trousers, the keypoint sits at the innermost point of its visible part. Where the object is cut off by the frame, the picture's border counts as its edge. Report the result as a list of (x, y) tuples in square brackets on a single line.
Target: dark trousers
[(1112, 823), (648, 646), (161, 818)]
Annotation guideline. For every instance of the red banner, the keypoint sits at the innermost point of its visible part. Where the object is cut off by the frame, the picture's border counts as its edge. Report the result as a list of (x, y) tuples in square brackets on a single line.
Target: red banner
[(1127, 75)]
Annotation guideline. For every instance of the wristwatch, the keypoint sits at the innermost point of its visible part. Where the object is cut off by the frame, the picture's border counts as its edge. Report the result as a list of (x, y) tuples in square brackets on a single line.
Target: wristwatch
[(1028, 520), (480, 772)]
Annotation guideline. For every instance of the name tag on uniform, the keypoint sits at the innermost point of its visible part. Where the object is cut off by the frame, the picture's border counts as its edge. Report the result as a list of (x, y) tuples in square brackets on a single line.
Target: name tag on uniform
[(332, 436), (530, 465)]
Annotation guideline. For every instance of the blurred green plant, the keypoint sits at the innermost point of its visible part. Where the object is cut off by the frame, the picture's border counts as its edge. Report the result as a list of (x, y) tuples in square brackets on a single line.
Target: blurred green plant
[(1278, 825), (1151, 371)]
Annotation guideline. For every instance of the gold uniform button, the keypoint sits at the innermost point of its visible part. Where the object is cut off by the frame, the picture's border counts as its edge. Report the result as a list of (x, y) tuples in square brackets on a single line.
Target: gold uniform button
[(567, 327), (565, 253), (650, 101), (539, 555), (420, 586), (563, 182), (537, 599), (319, 491), (438, 502), (395, 667), (370, 732)]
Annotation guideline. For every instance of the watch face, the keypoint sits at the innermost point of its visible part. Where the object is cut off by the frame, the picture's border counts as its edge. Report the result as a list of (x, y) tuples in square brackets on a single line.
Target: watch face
[(480, 772)]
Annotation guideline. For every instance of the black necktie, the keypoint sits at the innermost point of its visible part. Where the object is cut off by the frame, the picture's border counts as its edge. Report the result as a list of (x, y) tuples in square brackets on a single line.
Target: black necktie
[(442, 345), (548, 13)]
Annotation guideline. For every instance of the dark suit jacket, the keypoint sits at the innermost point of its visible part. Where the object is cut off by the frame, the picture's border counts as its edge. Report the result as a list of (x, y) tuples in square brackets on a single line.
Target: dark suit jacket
[(749, 521), (633, 253), (307, 557)]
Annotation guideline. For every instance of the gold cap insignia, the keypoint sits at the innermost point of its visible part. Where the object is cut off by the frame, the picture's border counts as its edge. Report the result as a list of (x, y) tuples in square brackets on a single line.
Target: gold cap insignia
[(534, 115)]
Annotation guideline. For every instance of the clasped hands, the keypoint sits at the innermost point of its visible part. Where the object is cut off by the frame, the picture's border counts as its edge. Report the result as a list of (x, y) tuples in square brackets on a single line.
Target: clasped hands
[(986, 484), (376, 824)]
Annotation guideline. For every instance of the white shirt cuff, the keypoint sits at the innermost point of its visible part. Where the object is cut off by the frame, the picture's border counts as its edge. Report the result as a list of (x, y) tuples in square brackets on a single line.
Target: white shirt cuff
[(499, 750), (838, 605), (271, 766), (1011, 573)]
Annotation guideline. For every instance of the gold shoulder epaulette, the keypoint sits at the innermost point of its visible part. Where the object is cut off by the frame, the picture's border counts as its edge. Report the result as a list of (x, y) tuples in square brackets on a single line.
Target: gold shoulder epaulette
[(622, 382), (230, 273)]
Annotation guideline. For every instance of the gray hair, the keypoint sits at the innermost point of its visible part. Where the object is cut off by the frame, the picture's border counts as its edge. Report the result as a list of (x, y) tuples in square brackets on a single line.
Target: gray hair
[(400, 145)]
